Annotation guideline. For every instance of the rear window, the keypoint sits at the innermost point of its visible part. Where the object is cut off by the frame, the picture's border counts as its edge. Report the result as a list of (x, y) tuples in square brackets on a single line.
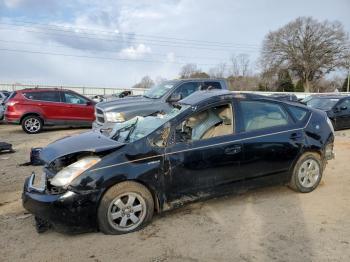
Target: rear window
[(211, 85), (48, 96), (297, 112), (260, 115)]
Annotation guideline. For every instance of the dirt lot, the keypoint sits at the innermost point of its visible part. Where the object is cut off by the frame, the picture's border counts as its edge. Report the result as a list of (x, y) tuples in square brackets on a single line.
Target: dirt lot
[(271, 224)]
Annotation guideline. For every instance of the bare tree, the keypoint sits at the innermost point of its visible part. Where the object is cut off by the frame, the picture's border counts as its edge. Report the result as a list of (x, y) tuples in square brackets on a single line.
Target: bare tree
[(146, 82), (307, 47), (240, 65), (188, 70), (219, 71)]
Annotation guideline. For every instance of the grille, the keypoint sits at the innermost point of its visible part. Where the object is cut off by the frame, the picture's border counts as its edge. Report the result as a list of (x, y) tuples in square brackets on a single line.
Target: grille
[(100, 117)]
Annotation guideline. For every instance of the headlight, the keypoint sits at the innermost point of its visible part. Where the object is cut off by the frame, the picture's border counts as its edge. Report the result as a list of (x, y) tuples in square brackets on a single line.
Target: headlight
[(114, 117), (67, 174)]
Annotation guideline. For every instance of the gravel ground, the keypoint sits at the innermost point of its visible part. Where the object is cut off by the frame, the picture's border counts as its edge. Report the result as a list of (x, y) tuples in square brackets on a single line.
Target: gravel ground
[(270, 224)]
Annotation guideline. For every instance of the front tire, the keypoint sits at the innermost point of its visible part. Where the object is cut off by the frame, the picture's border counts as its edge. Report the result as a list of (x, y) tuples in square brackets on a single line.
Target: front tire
[(307, 173), (126, 207), (32, 124)]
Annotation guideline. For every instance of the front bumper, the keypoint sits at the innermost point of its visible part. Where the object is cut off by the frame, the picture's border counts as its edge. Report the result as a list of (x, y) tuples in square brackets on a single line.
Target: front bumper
[(96, 125), (66, 212)]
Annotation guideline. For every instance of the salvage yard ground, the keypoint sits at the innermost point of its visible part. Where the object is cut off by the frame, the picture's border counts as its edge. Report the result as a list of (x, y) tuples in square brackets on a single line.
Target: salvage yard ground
[(270, 224)]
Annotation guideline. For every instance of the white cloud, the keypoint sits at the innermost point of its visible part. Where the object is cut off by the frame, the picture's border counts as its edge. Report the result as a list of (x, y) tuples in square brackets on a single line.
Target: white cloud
[(135, 52), (13, 3), (170, 57)]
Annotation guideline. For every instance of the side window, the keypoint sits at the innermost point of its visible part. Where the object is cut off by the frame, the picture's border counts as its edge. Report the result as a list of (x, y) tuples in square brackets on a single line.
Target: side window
[(345, 104), (260, 115), (48, 96), (211, 85), (187, 88), (213, 122), (71, 98), (297, 112)]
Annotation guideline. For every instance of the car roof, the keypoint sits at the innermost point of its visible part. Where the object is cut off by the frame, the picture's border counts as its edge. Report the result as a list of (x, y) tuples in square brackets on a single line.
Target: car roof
[(216, 94), (41, 90)]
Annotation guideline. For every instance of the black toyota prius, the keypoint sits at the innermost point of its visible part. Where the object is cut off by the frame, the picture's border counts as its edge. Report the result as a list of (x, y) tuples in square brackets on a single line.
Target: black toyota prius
[(209, 144)]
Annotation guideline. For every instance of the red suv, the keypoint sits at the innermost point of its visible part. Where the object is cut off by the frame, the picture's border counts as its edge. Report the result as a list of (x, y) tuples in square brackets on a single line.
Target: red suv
[(34, 108)]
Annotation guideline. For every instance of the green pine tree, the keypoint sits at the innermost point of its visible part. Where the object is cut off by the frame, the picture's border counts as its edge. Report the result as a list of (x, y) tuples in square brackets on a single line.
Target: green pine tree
[(284, 82), (261, 87), (299, 87)]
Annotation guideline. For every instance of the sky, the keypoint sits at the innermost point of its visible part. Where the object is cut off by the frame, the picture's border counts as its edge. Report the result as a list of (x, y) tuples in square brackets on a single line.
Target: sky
[(114, 43)]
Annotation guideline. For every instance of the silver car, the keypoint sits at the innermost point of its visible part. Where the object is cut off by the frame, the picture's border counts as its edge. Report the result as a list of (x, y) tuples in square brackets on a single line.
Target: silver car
[(2, 111)]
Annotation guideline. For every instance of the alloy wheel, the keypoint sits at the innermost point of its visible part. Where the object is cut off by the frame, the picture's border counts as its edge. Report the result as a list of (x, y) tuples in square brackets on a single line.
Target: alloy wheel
[(309, 173), (126, 212), (32, 125)]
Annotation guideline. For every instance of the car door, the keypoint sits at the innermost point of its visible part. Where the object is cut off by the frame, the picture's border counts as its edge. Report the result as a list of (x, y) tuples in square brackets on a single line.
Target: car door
[(342, 114), (272, 141), (78, 108), (46, 103), (202, 165)]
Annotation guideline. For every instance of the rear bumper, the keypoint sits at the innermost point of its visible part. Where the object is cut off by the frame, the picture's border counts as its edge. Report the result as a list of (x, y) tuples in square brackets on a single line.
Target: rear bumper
[(68, 212), (12, 118)]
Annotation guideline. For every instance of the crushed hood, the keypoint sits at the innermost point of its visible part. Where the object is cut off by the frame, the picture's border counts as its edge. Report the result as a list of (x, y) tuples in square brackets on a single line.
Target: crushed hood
[(91, 141)]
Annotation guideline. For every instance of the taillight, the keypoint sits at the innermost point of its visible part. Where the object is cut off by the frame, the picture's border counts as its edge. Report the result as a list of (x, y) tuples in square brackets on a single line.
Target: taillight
[(11, 103)]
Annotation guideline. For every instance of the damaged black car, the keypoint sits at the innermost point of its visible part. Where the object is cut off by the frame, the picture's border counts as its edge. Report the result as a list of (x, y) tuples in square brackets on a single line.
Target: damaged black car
[(210, 144)]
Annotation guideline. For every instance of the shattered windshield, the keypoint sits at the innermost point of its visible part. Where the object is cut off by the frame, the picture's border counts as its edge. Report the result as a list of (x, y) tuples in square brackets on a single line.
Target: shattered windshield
[(139, 127), (322, 103), (159, 90)]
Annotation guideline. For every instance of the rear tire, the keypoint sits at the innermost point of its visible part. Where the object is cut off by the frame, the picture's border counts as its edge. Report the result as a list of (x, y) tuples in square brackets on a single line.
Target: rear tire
[(126, 207), (307, 173), (32, 124)]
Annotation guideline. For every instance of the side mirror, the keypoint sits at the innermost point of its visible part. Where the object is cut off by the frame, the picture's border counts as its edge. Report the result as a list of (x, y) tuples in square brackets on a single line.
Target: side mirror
[(343, 108), (89, 103), (175, 98)]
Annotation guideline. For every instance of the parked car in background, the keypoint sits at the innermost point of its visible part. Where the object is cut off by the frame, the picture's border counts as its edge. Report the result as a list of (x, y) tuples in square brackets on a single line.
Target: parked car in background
[(157, 99), (98, 98), (337, 108), (4, 95), (119, 94), (2, 111), (285, 97), (210, 144), (36, 108)]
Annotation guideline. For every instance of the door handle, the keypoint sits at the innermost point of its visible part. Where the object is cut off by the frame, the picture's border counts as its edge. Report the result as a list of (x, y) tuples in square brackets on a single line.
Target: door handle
[(295, 136), (233, 150)]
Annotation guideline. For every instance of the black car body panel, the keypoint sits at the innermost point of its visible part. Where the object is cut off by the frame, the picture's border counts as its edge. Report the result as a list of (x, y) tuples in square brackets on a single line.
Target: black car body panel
[(87, 142), (184, 171)]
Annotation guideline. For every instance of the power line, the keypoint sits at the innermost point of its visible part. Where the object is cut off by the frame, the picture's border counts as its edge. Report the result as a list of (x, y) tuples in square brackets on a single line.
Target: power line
[(98, 57), (59, 28), (107, 50), (142, 42), (120, 37)]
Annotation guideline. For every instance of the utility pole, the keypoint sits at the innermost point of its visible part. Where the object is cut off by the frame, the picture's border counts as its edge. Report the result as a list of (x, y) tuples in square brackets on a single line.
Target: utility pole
[(347, 88)]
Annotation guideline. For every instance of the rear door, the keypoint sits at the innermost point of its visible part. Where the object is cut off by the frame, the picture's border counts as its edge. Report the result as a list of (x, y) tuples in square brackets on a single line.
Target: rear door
[(272, 140), (77, 108), (46, 103)]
